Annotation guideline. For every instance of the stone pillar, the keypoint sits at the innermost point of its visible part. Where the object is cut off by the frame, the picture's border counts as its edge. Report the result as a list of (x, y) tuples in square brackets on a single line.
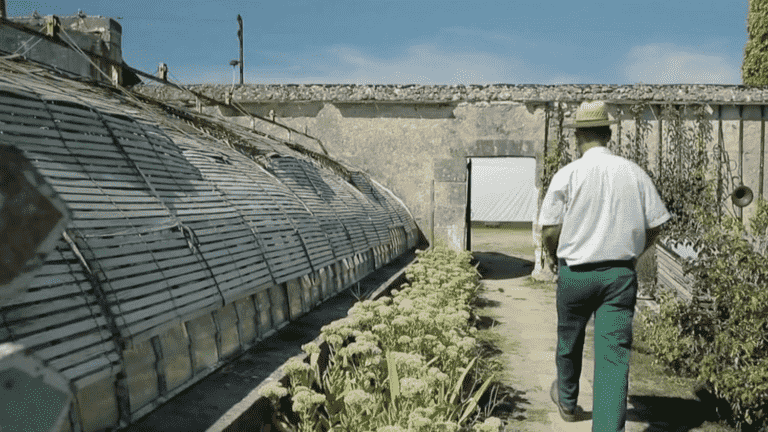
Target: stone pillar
[(450, 202)]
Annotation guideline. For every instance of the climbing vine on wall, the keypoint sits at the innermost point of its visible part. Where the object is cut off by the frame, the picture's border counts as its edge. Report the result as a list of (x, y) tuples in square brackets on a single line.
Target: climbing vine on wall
[(557, 153)]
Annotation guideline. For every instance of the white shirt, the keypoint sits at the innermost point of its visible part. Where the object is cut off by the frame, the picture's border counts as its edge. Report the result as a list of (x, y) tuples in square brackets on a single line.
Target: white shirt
[(605, 204)]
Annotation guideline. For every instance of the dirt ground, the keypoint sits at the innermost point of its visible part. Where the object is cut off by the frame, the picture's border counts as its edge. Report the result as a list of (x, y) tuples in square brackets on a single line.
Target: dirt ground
[(522, 322)]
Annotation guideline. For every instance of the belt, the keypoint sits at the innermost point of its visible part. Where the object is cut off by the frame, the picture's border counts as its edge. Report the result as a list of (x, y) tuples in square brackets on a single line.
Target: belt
[(630, 264)]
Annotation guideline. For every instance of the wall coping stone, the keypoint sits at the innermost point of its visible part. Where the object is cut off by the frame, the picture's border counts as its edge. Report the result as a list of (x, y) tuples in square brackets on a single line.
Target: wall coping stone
[(455, 94)]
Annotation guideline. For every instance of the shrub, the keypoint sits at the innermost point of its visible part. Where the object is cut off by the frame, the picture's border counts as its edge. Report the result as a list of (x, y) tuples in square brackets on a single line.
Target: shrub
[(723, 344)]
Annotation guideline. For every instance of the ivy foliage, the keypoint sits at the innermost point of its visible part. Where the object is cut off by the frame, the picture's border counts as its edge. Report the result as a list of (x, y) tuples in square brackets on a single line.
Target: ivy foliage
[(754, 70)]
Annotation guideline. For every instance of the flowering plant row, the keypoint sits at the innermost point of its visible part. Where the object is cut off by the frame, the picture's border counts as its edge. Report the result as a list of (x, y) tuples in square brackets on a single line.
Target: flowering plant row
[(408, 362)]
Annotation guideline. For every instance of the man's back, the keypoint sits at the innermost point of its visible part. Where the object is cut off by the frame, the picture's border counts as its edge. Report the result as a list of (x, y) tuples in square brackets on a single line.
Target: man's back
[(605, 204)]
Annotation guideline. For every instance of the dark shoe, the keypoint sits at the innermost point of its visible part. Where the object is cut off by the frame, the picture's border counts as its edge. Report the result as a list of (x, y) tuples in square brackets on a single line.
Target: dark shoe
[(574, 415)]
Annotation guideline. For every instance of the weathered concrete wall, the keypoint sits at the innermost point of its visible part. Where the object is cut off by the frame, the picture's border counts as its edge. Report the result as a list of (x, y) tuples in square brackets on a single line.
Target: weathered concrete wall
[(420, 151), (28, 37), (415, 139)]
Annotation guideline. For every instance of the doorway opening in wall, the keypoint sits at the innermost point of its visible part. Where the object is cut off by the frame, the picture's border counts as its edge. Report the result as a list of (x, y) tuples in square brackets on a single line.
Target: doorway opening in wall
[(501, 207)]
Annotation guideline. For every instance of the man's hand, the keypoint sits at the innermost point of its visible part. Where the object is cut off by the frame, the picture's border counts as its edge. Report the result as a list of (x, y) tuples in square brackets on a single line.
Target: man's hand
[(553, 264)]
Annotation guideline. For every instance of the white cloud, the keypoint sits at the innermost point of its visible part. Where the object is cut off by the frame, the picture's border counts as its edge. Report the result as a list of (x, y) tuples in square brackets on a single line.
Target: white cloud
[(419, 64), (671, 64)]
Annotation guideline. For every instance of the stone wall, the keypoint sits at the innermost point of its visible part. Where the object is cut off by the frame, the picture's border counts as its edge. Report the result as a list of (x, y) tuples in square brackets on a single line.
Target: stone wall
[(30, 38), (416, 139)]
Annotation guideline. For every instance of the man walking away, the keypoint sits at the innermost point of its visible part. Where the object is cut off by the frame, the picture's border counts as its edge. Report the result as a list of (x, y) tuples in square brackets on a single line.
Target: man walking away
[(600, 213)]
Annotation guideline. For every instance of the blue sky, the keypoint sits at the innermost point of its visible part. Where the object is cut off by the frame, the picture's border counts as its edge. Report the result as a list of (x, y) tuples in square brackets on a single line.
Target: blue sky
[(429, 41)]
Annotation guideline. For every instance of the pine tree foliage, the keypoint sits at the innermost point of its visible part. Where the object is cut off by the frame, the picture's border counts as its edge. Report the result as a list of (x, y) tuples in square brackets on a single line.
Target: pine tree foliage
[(754, 70)]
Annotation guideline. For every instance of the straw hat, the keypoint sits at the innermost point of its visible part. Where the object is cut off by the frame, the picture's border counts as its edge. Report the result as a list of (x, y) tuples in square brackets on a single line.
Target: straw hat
[(591, 114)]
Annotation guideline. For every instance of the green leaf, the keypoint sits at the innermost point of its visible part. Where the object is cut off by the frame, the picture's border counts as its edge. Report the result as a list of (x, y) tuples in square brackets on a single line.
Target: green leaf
[(476, 398), (394, 380), (460, 382)]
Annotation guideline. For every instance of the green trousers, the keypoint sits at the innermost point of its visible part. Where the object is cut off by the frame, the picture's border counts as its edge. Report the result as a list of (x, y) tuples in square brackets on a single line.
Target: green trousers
[(609, 292)]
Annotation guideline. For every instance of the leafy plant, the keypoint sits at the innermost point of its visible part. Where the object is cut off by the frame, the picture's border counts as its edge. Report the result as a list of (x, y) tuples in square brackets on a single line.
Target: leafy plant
[(405, 362), (721, 337)]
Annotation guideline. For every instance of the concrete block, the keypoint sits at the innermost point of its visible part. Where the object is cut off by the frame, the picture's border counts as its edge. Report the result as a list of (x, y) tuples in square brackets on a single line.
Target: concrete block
[(96, 406), (141, 376), (516, 148), (338, 276), (247, 320), (202, 335), (228, 335), (307, 296), (485, 147), (177, 364), (451, 194), (279, 305), (450, 170), (450, 215), (294, 295), (263, 310), (325, 284)]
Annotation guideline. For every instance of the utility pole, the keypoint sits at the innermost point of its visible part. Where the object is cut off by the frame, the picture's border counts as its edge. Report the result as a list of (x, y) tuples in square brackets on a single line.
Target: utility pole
[(240, 36)]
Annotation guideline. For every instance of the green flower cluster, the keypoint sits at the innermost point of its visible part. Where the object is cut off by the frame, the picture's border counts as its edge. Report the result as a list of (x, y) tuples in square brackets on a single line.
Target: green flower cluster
[(408, 362)]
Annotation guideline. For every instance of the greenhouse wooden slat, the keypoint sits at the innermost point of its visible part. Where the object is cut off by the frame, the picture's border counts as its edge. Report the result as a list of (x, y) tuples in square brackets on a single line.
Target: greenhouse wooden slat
[(222, 229), (93, 190), (102, 252), (71, 163), (116, 273), (83, 112), (22, 102), (59, 275), (31, 296), (240, 239), (26, 121), (93, 371), (119, 187), (75, 120), (137, 298), (146, 326), (188, 265), (141, 150), (25, 130), (27, 111), (156, 240), (75, 200), (95, 339), (213, 242), (31, 310), (147, 306), (101, 215), (173, 173), (189, 218), (185, 208), (71, 130), (81, 355), (230, 257), (134, 259), (33, 340), (117, 261), (34, 324), (36, 143), (152, 280), (97, 135), (210, 198)]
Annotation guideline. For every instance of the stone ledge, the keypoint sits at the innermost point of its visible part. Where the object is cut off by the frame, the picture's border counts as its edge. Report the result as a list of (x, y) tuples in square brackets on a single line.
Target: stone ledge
[(455, 94)]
